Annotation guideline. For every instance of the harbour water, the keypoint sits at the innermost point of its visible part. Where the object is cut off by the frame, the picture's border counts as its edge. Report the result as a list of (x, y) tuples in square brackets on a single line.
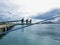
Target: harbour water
[(39, 34)]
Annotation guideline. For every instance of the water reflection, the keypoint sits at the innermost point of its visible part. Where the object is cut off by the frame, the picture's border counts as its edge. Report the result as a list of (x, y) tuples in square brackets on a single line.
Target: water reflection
[(52, 31), (4, 32), (1, 35), (10, 29), (22, 28), (33, 35), (48, 33)]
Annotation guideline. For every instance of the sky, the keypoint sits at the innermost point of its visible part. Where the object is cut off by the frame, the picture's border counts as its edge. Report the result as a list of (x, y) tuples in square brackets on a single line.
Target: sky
[(33, 7)]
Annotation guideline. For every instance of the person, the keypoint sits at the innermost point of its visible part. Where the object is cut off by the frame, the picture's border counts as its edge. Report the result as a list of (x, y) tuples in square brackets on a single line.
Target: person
[(22, 20), (30, 21), (26, 20)]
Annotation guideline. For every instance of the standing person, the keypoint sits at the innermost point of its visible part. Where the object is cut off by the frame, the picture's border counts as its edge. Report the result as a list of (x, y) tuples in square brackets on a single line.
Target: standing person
[(22, 20), (30, 21), (26, 20)]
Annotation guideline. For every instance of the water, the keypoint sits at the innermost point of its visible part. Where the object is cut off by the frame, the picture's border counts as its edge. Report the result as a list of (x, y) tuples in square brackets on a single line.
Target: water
[(40, 34)]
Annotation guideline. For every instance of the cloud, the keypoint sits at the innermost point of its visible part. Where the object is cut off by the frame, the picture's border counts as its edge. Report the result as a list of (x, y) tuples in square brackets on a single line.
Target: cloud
[(32, 7), (25, 8), (8, 10), (48, 14)]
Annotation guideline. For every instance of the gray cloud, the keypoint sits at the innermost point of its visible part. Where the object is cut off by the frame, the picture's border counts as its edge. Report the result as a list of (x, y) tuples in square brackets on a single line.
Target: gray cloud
[(48, 14), (8, 10)]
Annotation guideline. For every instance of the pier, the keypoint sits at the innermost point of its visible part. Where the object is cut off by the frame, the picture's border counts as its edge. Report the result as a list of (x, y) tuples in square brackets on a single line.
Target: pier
[(5, 26)]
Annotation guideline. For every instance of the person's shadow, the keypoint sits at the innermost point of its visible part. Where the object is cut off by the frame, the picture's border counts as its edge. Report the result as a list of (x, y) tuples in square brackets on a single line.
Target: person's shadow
[(22, 28), (2, 35)]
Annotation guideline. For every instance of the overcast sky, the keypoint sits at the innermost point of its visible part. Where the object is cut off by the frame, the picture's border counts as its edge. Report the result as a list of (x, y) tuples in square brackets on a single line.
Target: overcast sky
[(32, 7)]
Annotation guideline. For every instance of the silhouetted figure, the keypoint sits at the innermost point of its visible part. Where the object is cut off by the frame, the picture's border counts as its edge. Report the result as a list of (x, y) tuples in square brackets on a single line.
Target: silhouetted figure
[(22, 20), (26, 20), (30, 21)]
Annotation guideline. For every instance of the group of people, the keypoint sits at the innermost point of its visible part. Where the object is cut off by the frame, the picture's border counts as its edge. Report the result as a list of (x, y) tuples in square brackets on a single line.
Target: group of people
[(27, 21)]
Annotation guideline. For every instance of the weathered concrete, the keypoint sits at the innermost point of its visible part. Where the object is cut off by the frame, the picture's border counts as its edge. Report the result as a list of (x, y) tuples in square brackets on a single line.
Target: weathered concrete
[(5, 27)]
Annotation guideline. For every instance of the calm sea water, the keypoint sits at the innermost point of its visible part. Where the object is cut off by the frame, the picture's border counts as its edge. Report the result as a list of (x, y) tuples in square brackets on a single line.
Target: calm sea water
[(40, 34)]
